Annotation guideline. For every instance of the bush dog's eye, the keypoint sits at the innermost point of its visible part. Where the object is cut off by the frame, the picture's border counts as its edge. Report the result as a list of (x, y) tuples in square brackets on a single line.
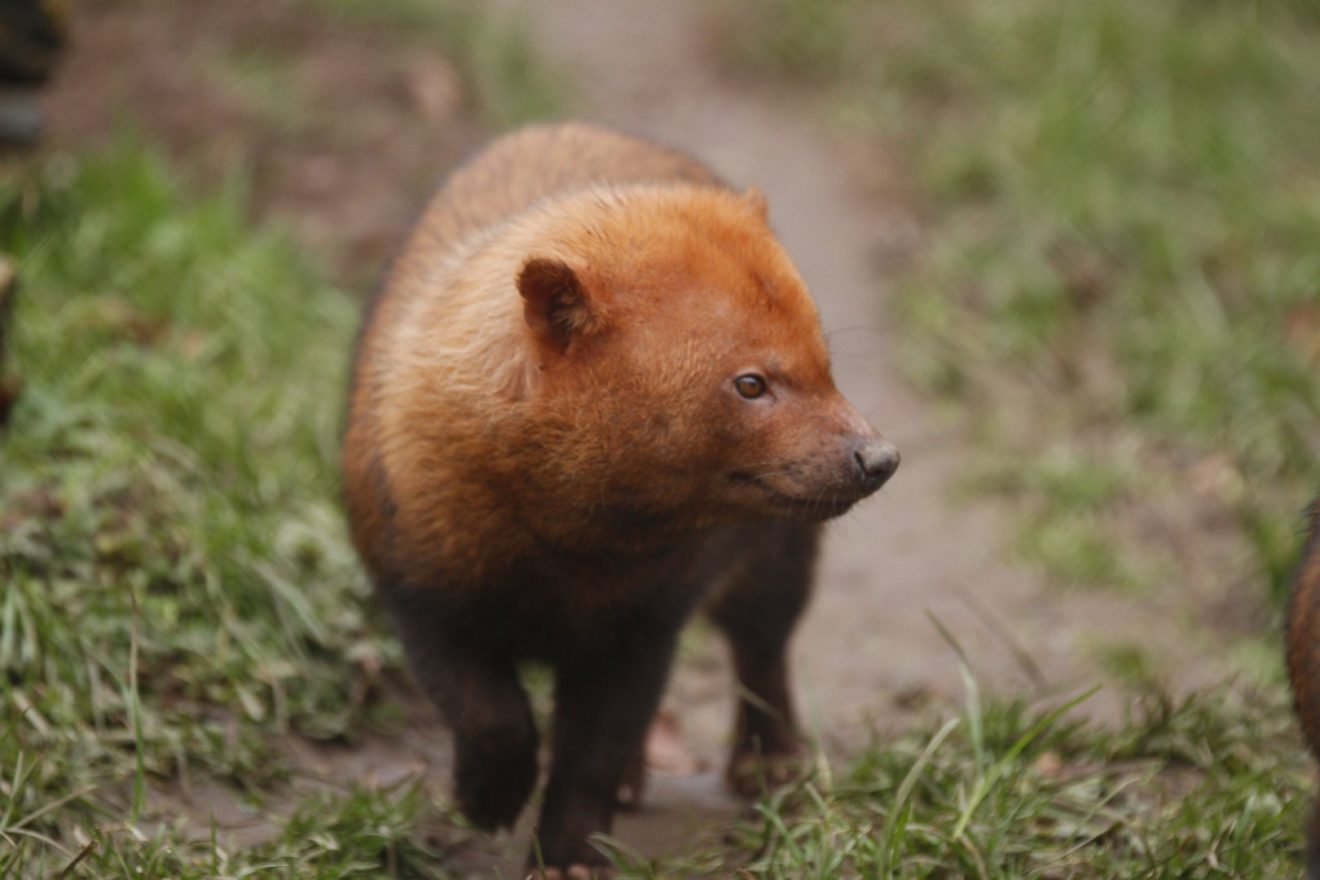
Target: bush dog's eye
[(750, 385)]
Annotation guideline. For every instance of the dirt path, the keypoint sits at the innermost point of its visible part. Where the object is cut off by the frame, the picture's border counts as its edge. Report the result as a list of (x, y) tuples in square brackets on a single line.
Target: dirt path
[(868, 651)]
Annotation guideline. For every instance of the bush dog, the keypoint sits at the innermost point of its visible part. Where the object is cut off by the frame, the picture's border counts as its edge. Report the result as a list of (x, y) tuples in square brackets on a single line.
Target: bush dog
[(1303, 640), (592, 396)]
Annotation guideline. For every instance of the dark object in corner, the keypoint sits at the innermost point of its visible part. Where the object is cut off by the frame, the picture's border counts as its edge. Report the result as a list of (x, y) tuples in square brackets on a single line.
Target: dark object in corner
[(32, 35), (1303, 644)]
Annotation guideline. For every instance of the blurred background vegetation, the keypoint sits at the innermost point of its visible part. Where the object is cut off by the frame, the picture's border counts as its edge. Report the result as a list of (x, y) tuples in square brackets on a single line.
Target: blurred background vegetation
[(1121, 285), (1117, 290)]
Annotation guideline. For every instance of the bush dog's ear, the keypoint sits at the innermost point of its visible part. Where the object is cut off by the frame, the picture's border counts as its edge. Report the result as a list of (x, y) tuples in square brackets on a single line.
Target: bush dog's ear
[(555, 302), (756, 200)]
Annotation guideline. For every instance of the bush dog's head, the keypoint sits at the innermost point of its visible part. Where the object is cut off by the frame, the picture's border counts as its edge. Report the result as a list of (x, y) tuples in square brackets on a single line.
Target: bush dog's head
[(680, 365)]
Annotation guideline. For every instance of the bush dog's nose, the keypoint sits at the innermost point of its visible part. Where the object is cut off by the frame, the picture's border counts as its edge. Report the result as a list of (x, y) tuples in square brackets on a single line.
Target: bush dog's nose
[(877, 460)]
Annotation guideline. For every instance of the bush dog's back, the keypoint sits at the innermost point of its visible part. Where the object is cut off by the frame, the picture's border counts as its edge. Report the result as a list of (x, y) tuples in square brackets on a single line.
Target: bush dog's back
[(592, 395)]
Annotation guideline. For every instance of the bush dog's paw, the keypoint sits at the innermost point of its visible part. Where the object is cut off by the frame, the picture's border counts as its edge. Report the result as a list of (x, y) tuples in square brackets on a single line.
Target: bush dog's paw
[(493, 780), (752, 774), (573, 872)]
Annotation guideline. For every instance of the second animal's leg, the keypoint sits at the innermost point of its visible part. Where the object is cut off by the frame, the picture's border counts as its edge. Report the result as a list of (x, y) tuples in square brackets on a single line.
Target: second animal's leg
[(604, 699), (758, 611), (481, 699)]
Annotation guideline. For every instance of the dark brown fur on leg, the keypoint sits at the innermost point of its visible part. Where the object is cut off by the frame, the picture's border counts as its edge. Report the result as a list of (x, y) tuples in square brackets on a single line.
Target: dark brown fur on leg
[(758, 612), (604, 699), (479, 694)]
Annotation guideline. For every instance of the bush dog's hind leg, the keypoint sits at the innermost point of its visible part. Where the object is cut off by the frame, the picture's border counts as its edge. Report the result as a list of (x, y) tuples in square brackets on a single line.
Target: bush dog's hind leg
[(480, 697), (758, 612), (604, 700)]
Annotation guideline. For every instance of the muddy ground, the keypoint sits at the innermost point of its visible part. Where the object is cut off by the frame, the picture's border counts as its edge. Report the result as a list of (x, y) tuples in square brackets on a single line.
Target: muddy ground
[(370, 119)]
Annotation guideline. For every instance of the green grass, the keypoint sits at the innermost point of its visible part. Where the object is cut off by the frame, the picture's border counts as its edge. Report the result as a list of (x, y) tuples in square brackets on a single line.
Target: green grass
[(1210, 787), (178, 587), (1120, 282)]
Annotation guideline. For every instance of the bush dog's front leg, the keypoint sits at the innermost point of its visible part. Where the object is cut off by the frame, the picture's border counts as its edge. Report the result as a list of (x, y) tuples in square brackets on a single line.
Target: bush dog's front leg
[(478, 693), (758, 613), (604, 701)]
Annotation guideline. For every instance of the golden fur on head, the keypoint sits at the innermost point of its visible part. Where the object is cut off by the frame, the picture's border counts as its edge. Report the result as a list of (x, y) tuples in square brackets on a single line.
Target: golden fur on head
[(460, 329)]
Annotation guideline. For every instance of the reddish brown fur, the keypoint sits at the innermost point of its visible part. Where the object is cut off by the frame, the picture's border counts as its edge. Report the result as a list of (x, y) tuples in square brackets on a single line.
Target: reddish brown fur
[(1303, 643), (651, 270), (547, 456)]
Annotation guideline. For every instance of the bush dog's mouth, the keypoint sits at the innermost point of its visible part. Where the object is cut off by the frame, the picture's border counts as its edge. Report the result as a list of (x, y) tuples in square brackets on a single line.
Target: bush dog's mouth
[(814, 508)]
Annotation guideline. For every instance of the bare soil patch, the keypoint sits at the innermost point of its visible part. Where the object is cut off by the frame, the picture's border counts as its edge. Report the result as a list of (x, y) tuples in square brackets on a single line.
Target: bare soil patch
[(344, 127)]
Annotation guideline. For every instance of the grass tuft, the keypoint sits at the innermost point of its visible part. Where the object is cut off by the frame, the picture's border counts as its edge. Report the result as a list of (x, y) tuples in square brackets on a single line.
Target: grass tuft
[(178, 585), (1213, 786)]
